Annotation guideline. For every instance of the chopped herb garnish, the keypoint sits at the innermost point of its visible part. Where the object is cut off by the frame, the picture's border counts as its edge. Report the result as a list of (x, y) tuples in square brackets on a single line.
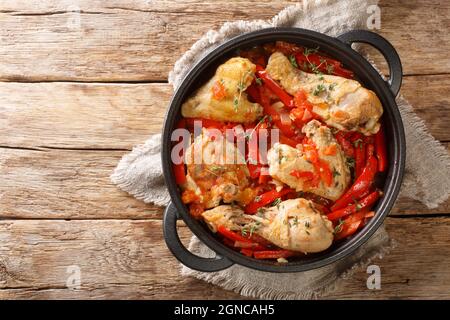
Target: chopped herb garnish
[(313, 67), (335, 173), (244, 231), (236, 103), (351, 162), (247, 136), (308, 51), (258, 198), (358, 143), (307, 232), (254, 227), (276, 202), (241, 88), (319, 89), (338, 227), (330, 69), (258, 81), (307, 224), (295, 221), (332, 86), (357, 205), (293, 61)]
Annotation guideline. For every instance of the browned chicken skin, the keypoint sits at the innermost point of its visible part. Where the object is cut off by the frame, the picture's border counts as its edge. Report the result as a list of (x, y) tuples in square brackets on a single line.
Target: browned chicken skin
[(216, 171), (284, 159), (342, 103), (293, 224), (235, 76)]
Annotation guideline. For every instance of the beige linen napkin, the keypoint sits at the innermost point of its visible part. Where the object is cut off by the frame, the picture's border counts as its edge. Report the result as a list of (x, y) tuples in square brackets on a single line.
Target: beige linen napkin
[(427, 177)]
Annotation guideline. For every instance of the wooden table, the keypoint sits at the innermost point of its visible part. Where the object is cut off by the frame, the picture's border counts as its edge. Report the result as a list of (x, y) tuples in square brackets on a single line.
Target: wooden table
[(76, 95)]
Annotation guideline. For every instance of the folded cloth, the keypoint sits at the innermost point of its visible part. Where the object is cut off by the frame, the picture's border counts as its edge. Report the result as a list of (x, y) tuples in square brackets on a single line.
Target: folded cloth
[(427, 176)]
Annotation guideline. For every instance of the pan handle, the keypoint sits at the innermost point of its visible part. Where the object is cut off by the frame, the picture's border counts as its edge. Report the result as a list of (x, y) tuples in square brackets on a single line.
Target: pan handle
[(184, 255), (386, 49)]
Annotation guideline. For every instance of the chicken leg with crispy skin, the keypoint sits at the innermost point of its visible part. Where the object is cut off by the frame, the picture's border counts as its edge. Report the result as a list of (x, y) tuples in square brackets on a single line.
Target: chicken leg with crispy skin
[(284, 159), (293, 224), (233, 77), (341, 103)]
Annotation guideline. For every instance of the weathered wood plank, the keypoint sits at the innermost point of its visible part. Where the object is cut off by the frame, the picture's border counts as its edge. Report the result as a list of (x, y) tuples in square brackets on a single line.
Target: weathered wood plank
[(65, 185), (72, 184), (80, 115), (140, 40), (111, 116), (129, 260)]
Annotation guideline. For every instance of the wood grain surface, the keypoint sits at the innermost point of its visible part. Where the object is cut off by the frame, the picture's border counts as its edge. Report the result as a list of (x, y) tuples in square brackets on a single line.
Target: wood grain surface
[(128, 260), (75, 184), (106, 41), (80, 85)]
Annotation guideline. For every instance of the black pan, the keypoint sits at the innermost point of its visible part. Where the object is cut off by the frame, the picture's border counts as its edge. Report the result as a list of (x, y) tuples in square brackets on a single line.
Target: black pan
[(338, 48)]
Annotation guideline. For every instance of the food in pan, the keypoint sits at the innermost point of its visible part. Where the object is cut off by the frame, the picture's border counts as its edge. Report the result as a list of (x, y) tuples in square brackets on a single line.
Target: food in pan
[(284, 148)]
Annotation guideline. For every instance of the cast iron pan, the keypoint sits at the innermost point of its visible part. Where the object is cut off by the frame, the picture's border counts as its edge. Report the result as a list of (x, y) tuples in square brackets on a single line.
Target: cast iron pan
[(338, 48)]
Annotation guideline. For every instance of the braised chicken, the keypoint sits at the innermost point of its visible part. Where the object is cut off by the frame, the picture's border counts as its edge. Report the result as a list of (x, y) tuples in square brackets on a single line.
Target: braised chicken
[(294, 224), (285, 161), (216, 171), (287, 158), (341, 103), (223, 98)]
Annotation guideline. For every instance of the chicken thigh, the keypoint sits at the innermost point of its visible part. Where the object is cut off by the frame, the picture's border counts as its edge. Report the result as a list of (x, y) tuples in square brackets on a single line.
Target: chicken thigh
[(284, 160), (341, 103), (216, 171), (293, 224), (223, 98)]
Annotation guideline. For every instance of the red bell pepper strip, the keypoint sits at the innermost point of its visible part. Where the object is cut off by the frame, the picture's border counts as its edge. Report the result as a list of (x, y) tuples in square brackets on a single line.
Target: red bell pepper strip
[(206, 123), (274, 254), (315, 62), (227, 233), (286, 129), (249, 245), (350, 226), (276, 89), (342, 72), (247, 252), (345, 144), (253, 92), (264, 178), (228, 243), (310, 179), (305, 175), (180, 174), (287, 48), (361, 185), (360, 156), (324, 171), (366, 202), (254, 170), (321, 167), (181, 124), (380, 149), (265, 199), (370, 150), (290, 142)]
